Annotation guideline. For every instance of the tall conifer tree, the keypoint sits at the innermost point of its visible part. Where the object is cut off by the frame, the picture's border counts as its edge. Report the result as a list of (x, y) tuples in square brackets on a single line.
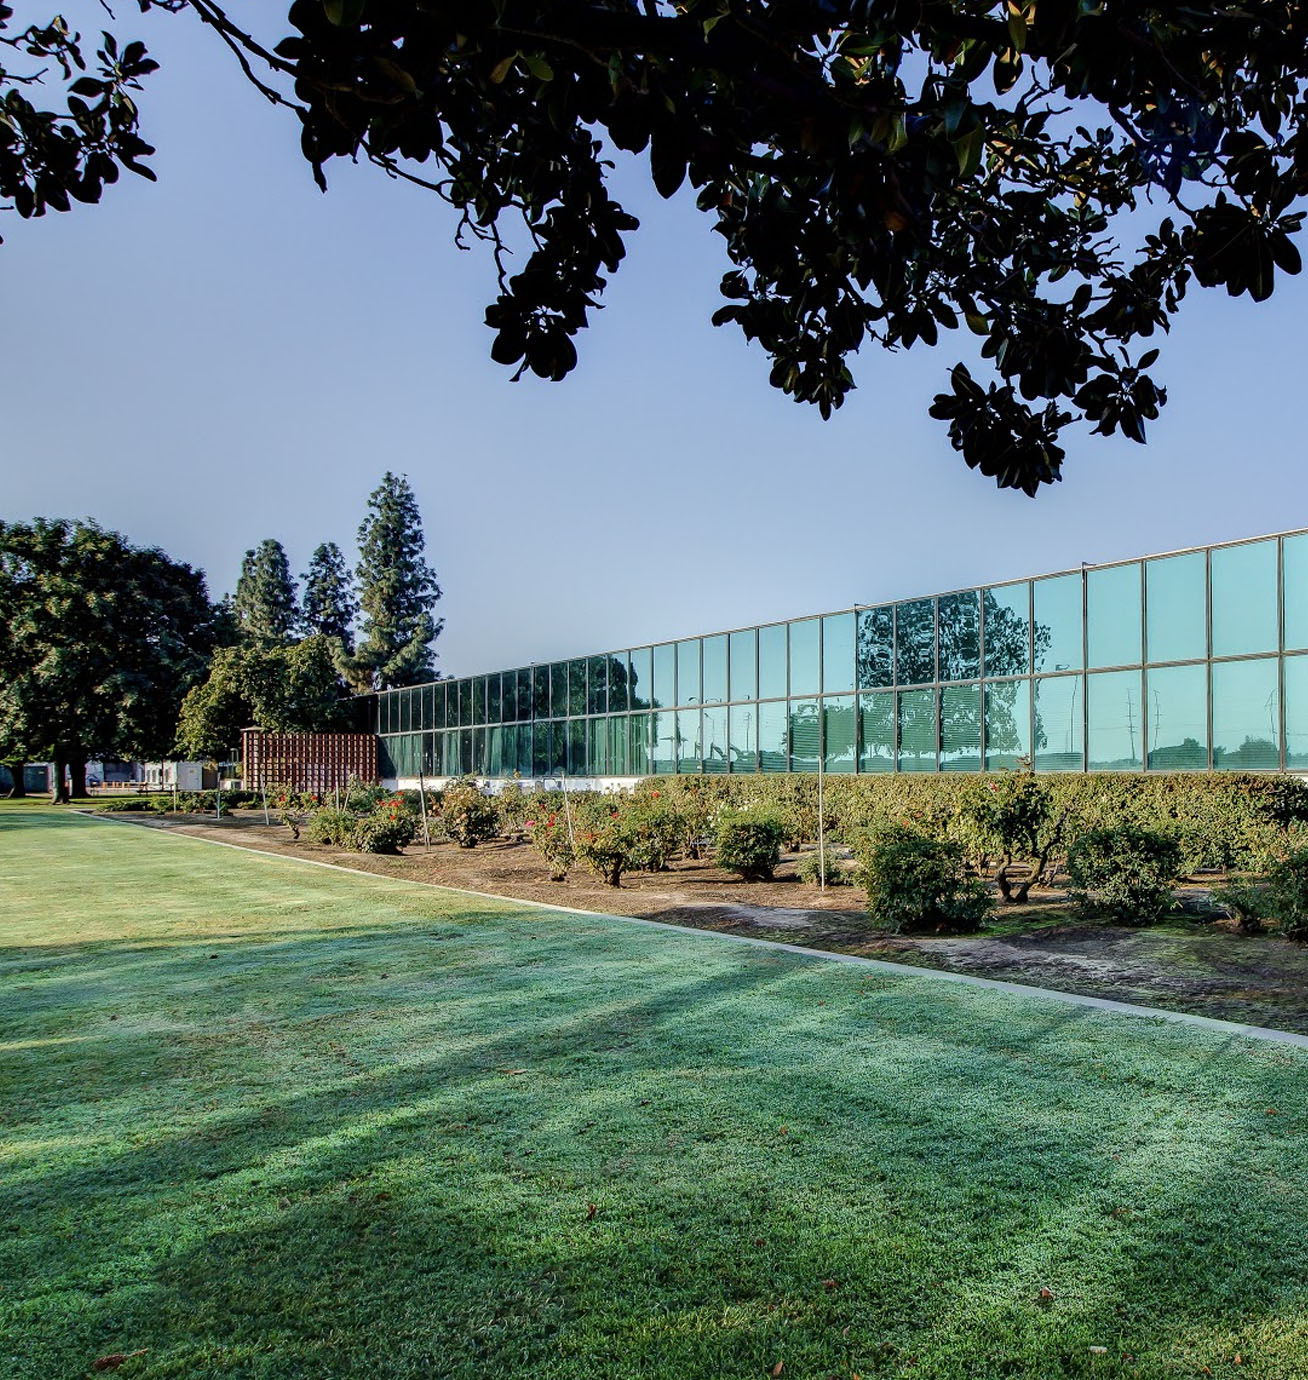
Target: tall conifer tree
[(265, 605), (397, 592), (329, 603)]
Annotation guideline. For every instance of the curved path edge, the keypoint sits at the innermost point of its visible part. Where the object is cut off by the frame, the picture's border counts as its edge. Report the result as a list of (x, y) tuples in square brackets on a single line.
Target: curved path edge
[(1018, 989)]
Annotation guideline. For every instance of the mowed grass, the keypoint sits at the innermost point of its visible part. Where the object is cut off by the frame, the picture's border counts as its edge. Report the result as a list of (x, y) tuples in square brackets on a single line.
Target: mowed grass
[(262, 1119)]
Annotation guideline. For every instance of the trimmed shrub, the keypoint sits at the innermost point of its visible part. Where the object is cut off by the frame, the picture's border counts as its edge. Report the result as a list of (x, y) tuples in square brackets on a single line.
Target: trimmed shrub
[(1124, 874), (332, 827), (810, 869), (1248, 903), (602, 837), (1288, 894), (132, 805), (656, 832), (749, 843), (918, 883), (469, 816), (549, 837)]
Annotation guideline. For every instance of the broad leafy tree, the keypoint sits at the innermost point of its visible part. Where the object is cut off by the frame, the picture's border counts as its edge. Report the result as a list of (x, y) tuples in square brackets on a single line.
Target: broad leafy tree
[(102, 641), (292, 689), (265, 605), (397, 592), (329, 606), (67, 123)]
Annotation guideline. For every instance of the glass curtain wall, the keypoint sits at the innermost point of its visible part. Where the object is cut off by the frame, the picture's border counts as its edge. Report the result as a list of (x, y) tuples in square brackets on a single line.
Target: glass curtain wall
[(1196, 660)]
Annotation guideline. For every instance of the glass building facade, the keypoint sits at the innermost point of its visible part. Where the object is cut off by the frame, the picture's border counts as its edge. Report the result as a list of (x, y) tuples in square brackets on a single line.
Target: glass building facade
[(1192, 661)]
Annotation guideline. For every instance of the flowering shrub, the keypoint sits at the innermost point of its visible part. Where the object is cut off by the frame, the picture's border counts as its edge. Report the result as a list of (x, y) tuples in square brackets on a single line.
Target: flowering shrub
[(603, 839), (383, 831), (549, 837), (332, 827), (469, 816), (656, 830), (749, 842)]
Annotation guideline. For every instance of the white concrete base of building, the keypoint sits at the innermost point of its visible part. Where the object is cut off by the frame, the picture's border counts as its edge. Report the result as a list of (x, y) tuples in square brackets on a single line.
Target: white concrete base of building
[(494, 785)]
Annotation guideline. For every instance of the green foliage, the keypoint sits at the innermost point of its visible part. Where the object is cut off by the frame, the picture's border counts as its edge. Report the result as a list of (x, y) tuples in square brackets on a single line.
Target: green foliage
[(1249, 902), (332, 827), (749, 843), (549, 837), (101, 642), (657, 831), (1124, 874), (397, 592), (50, 158), (329, 606), (468, 814), (1052, 178), (133, 804), (294, 689), (918, 883), (265, 607), (383, 831), (1288, 893), (604, 837), (810, 869)]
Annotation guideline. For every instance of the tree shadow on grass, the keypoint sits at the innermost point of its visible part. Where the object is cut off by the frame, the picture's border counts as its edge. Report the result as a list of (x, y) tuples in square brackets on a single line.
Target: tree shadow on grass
[(394, 1177)]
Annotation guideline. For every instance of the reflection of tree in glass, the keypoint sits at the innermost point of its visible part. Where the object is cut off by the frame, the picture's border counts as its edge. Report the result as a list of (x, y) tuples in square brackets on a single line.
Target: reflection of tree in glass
[(805, 736), (876, 648), (915, 642), (960, 636)]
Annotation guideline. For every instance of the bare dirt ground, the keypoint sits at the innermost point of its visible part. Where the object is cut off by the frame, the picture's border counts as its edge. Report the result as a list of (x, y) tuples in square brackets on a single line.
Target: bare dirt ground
[(1205, 968)]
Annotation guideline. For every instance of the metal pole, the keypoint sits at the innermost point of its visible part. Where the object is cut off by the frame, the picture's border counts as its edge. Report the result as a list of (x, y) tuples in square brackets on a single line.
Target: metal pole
[(822, 824), (219, 797), (174, 790), (266, 820), (422, 802)]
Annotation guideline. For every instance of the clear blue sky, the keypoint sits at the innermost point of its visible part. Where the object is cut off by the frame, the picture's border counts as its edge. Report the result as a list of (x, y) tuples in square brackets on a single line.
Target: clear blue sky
[(228, 355)]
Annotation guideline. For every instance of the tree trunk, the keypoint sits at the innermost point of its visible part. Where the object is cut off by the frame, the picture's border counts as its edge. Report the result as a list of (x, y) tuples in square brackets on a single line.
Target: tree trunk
[(77, 771), (16, 770), (58, 790)]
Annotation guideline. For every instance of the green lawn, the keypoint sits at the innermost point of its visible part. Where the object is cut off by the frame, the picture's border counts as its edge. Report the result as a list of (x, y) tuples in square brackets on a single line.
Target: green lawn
[(263, 1119)]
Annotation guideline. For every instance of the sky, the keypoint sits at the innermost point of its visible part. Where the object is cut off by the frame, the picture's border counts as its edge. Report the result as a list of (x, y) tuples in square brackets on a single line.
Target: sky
[(227, 355)]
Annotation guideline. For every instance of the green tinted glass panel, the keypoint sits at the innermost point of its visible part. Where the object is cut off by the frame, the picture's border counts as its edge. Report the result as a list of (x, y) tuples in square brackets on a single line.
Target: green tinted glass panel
[(1057, 628), (1294, 580), (772, 661), (714, 728), (639, 730), (509, 697), (540, 691), (597, 746), (805, 665), (1112, 620), (509, 749), (1296, 713), (450, 753), (576, 688), (1007, 629), (479, 692), (465, 703), (640, 677), (540, 748), (875, 649), (773, 736), (597, 679), (805, 735), (619, 757), (840, 733), (1114, 727), (494, 750), (688, 740), (431, 754), (960, 727), (665, 675), (838, 653), (618, 676), (466, 757), (524, 695), (1176, 714), (1060, 723), (406, 712), (428, 704), (665, 742), (960, 636), (1246, 714), (492, 699), (917, 730), (915, 642), (715, 669), (1176, 609), (744, 668), (576, 733), (524, 749), (1008, 724), (876, 732), (688, 671), (1244, 600), (742, 728)]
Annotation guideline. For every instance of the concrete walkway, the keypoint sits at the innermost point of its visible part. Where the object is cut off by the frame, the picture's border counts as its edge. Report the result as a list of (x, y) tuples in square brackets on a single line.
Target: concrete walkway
[(1018, 989)]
